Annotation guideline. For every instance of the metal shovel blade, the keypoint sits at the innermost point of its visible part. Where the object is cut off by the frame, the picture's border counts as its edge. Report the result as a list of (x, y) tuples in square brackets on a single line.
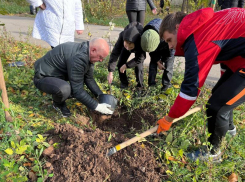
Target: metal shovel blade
[(111, 151)]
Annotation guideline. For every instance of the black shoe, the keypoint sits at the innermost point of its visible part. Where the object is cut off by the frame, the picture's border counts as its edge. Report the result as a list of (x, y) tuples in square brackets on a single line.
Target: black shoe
[(165, 88), (61, 108), (123, 86)]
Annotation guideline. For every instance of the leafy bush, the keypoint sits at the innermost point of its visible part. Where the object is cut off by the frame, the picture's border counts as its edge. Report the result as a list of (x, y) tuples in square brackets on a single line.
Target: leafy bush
[(14, 7)]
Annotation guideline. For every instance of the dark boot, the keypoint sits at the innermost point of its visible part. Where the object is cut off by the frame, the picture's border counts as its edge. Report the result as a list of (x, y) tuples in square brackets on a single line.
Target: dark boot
[(62, 109)]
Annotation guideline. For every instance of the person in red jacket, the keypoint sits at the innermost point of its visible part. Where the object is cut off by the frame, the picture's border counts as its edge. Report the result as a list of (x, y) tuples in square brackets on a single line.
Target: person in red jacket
[(204, 38)]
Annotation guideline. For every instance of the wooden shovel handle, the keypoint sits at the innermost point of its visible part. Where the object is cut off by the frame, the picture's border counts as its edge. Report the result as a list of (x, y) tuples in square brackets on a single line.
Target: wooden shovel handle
[(4, 93), (154, 129)]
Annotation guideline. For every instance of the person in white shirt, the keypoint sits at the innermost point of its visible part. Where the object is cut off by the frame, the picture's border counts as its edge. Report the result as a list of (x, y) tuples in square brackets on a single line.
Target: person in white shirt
[(57, 20)]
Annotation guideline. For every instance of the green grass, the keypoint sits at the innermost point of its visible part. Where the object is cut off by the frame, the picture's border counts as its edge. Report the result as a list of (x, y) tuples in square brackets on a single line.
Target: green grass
[(14, 7)]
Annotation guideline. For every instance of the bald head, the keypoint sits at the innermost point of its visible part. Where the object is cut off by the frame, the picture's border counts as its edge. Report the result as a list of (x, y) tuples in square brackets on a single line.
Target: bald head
[(98, 49)]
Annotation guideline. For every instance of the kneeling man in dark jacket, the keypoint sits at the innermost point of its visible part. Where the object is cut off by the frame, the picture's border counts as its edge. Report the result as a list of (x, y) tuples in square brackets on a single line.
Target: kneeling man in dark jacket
[(73, 62)]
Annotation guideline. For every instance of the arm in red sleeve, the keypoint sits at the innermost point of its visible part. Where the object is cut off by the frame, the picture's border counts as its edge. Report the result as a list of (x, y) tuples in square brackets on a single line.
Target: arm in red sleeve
[(199, 61)]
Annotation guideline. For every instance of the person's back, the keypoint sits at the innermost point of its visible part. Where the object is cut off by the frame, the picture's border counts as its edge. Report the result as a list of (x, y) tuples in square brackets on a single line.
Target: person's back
[(55, 62), (135, 10), (219, 36)]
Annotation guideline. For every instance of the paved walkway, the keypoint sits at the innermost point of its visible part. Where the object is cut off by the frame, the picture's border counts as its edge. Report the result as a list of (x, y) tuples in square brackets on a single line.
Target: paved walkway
[(20, 28)]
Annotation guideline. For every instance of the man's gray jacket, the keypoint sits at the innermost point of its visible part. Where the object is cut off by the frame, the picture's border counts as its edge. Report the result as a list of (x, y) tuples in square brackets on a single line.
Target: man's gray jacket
[(70, 62)]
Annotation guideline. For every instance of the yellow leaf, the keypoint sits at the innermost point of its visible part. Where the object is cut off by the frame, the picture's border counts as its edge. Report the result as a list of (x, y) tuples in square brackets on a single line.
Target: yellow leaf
[(142, 145), (21, 168), (176, 86), (78, 103), (162, 96), (31, 115), (40, 136), (12, 144), (9, 151), (169, 172)]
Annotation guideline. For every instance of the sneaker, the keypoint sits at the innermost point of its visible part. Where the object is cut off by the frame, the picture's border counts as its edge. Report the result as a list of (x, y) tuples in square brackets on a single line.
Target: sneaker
[(232, 132), (62, 109), (203, 154)]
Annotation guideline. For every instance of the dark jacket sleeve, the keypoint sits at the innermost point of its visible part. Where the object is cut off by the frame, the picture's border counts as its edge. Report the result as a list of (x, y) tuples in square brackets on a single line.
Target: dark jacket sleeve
[(91, 83), (220, 2), (115, 53), (241, 3), (161, 53), (76, 74), (151, 4), (139, 58)]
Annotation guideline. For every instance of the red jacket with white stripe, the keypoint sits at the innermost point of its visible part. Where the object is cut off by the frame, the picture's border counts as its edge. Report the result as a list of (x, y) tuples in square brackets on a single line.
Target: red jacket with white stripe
[(205, 38)]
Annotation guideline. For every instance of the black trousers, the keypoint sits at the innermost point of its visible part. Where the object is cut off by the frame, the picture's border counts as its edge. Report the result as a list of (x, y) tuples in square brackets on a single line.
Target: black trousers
[(227, 94), (138, 69), (167, 74), (58, 88), (138, 16)]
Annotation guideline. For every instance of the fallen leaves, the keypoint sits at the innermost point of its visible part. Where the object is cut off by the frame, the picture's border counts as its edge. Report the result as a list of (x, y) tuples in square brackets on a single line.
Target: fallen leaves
[(233, 178), (32, 176)]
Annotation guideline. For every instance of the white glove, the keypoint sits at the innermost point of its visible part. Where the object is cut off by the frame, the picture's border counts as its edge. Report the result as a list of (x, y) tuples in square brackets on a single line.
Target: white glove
[(103, 108)]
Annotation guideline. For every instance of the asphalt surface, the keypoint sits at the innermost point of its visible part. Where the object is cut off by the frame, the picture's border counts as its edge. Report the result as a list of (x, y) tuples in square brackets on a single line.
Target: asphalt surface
[(21, 27)]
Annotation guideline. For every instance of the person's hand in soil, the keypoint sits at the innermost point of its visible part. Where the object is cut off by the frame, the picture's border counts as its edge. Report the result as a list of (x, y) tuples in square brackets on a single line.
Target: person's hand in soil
[(79, 32), (123, 68), (104, 108), (42, 7), (164, 124), (110, 77)]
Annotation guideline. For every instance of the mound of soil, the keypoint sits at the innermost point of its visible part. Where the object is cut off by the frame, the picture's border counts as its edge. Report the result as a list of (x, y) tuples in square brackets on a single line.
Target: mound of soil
[(80, 156)]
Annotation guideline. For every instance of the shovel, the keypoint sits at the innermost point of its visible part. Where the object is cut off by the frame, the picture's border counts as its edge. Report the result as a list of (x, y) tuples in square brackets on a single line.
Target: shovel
[(146, 133)]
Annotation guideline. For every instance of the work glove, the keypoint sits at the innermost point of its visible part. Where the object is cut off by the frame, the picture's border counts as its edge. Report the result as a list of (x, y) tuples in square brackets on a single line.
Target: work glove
[(164, 125), (104, 108)]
